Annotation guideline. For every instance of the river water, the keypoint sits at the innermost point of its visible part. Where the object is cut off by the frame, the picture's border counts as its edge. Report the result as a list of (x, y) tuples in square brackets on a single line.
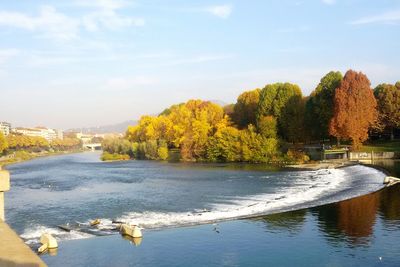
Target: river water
[(74, 189)]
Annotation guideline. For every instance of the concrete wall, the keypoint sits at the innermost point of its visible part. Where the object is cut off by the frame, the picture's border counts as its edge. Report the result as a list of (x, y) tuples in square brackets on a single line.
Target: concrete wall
[(375, 155)]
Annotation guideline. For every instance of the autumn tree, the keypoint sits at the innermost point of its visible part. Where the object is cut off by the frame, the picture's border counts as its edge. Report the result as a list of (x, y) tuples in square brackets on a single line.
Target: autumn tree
[(354, 109), (3, 143), (319, 106), (388, 99), (244, 111)]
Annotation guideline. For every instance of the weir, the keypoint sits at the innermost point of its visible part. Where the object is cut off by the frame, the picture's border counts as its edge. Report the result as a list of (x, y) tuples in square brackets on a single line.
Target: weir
[(13, 251)]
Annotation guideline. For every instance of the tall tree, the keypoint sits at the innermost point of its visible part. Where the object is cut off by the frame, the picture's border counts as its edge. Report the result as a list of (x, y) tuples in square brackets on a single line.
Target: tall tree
[(292, 120), (3, 143), (267, 127), (319, 107), (244, 111), (354, 109), (388, 98), (274, 99)]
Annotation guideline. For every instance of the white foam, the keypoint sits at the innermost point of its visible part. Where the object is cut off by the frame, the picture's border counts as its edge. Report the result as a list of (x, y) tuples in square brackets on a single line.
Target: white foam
[(32, 235), (301, 192)]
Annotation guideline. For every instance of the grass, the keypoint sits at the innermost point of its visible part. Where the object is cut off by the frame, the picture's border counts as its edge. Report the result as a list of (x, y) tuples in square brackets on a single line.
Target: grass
[(382, 146), (113, 157)]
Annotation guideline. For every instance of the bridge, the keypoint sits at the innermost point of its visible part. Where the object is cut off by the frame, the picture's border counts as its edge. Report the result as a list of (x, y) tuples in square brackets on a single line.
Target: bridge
[(92, 146)]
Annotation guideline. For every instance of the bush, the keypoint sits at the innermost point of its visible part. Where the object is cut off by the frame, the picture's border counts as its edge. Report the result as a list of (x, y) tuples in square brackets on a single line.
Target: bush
[(162, 153), (106, 156), (296, 156)]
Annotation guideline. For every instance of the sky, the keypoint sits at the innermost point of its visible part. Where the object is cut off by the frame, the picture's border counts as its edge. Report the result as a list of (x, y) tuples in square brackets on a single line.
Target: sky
[(77, 63)]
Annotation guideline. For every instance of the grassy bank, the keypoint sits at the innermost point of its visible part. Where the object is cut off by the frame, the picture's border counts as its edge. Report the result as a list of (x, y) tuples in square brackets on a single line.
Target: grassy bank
[(382, 146)]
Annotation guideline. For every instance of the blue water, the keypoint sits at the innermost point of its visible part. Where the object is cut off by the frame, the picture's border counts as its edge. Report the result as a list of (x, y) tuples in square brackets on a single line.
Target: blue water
[(363, 231), (77, 188)]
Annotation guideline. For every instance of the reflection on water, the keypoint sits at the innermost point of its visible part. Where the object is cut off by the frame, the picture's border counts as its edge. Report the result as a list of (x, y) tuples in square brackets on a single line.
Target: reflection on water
[(289, 221), (390, 204), (350, 220)]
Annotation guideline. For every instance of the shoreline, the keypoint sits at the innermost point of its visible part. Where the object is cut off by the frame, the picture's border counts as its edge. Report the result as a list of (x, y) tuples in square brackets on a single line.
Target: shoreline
[(33, 156)]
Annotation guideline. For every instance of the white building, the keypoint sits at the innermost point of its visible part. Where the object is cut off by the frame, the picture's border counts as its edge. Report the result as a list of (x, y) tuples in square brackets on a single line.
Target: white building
[(5, 128), (46, 133)]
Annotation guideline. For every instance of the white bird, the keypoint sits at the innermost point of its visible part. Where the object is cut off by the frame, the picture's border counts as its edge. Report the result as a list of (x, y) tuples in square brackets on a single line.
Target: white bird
[(380, 258)]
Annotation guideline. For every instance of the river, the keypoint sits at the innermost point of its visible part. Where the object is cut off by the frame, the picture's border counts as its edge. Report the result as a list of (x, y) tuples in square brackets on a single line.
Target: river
[(77, 188)]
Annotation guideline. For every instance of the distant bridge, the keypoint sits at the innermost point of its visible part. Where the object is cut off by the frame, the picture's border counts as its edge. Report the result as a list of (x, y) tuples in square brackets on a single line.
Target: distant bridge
[(93, 146)]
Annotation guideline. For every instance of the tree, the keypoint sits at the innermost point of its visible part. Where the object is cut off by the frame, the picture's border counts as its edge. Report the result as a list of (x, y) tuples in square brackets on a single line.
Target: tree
[(319, 107), (388, 99), (267, 127), (292, 120), (3, 143), (225, 144), (255, 147), (245, 108), (229, 109), (354, 109), (274, 98)]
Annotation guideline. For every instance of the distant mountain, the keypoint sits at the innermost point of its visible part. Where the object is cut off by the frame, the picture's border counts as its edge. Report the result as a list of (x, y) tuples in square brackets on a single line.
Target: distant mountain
[(218, 102), (114, 128)]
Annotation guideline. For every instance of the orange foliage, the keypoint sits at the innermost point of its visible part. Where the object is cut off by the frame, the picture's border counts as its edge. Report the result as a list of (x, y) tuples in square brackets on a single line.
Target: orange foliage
[(354, 109)]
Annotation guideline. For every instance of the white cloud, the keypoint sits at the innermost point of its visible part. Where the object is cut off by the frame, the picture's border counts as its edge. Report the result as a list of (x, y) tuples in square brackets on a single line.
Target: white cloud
[(222, 11), (387, 17), (105, 15), (329, 2), (52, 24), (49, 23), (110, 20), (103, 4)]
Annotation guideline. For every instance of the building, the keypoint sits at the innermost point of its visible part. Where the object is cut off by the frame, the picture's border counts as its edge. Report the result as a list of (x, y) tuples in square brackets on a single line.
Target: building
[(5, 128), (46, 133), (60, 134)]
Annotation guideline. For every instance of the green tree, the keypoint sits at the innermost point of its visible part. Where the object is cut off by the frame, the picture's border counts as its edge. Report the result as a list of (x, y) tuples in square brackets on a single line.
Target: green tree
[(256, 148), (319, 106), (388, 99), (354, 109), (292, 120), (274, 99), (245, 108), (225, 145), (3, 143), (267, 127)]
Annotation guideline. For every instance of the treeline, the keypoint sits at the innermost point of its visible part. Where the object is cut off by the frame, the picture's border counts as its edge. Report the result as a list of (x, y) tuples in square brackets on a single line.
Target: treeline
[(258, 127), (17, 142)]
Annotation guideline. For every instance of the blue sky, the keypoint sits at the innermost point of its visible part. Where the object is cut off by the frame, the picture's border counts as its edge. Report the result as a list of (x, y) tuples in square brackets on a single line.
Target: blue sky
[(85, 63)]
